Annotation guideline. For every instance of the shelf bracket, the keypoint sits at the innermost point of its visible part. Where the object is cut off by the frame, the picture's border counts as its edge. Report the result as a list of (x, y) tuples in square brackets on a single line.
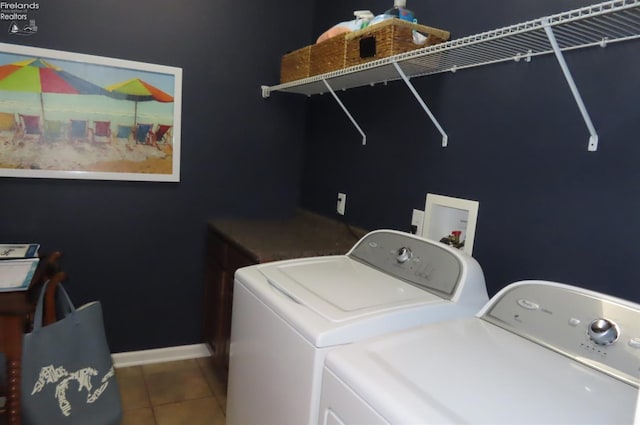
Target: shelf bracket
[(593, 139), (445, 138), (353, 121)]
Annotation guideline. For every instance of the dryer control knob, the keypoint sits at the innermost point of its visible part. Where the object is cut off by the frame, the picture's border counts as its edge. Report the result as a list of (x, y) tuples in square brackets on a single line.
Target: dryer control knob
[(404, 254), (603, 331)]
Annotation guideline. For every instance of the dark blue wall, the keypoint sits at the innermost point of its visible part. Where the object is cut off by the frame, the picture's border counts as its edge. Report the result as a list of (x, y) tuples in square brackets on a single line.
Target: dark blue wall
[(138, 246), (549, 209)]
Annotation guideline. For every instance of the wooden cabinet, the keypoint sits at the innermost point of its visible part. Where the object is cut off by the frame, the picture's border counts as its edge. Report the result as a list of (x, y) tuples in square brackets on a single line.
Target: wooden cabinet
[(223, 259), (236, 243)]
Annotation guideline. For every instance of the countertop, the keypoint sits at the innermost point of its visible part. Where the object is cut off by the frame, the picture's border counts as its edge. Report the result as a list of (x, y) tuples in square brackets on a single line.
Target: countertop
[(306, 234)]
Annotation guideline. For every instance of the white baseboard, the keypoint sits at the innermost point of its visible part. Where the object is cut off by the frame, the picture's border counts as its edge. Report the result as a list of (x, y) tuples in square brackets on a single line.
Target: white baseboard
[(160, 355)]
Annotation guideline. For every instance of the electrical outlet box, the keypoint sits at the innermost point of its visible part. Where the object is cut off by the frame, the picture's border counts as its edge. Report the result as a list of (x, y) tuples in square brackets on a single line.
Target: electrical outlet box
[(451, 220), (342, 203), (417, 219)]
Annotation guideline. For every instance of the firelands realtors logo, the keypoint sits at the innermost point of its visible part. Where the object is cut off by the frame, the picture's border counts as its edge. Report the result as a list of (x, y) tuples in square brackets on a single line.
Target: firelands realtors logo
[(17, 14)]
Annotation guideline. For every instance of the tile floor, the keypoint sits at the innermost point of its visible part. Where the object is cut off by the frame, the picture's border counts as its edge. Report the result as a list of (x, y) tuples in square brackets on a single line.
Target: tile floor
[(184, 392)]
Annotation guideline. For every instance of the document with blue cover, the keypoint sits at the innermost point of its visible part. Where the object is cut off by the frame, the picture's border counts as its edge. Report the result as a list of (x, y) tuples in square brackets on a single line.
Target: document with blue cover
[(19, 250), (18, 264), (16, 275)]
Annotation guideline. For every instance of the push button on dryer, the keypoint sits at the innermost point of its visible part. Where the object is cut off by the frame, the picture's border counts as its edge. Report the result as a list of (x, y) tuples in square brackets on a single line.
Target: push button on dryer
[(529, 305), (634, 342)]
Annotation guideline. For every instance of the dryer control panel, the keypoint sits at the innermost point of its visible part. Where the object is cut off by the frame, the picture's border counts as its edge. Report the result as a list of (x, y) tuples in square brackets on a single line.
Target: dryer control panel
[(429, 265), (595, 329)]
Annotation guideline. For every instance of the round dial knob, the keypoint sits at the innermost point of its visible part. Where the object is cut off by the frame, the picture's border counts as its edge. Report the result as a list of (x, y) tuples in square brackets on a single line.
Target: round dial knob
[(603, 331), (404, 254)]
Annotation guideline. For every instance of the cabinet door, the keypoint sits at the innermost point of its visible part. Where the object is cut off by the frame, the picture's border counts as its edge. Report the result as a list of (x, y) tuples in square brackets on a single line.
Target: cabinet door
[(236, 260), (214, 270), (213, 282), (223, 323)]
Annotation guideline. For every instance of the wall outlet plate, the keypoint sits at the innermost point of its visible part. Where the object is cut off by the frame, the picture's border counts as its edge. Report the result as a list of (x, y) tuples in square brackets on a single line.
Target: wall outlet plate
[(417, 220), (342, 203)]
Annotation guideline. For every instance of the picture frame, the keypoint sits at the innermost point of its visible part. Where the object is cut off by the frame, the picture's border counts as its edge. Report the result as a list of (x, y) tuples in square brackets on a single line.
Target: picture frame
[(76, 116), (451, 221)]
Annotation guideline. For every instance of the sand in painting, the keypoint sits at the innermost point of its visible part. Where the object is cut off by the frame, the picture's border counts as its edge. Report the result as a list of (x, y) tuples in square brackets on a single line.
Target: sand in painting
[(116, 155)]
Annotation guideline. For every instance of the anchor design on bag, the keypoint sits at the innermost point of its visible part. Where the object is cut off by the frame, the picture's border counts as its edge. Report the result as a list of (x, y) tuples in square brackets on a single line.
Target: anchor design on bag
[(61, 377)]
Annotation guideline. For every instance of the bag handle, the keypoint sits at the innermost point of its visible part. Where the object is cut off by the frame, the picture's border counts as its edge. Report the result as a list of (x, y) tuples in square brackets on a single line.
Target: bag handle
[(65, 301)]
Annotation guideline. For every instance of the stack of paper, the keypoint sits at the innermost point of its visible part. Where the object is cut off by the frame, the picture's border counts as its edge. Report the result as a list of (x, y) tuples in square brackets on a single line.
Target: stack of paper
[(18, 264), (19, 250)]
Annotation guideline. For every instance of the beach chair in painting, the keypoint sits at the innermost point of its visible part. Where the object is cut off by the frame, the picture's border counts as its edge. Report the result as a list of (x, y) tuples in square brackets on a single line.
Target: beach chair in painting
[(101, 131), (29, 126), (141, 133), (124, 132), (8, 122), (79, 131), (8, 126), (54, 130), (159, 134)]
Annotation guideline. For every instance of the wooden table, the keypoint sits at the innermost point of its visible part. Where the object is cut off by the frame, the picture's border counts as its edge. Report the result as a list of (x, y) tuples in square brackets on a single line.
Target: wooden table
[(16, 315), (15, 309)]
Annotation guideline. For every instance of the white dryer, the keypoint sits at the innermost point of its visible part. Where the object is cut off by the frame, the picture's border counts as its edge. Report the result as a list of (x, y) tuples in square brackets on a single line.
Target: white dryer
[(537, 353), (287, 315)]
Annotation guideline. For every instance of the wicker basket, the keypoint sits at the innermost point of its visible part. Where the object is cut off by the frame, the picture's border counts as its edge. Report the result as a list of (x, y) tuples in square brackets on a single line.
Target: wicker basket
[(328, 55), (295, 65), (387, 38)]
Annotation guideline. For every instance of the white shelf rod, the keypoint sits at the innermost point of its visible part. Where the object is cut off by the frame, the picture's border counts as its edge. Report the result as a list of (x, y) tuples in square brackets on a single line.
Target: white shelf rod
[(353, 121), (593, 139), (445, 138)]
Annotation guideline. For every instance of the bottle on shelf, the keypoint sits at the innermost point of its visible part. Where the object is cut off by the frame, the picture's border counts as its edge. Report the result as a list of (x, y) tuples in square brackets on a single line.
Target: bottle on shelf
[(400, 11)]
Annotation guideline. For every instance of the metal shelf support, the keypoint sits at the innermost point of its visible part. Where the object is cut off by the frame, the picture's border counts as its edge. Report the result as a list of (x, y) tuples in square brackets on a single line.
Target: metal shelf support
[(346, 111), (445, 138), (593, 139)]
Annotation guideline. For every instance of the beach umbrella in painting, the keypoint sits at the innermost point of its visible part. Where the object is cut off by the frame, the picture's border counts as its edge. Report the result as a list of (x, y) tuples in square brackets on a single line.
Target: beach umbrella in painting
[(38, 76), (138, 90)]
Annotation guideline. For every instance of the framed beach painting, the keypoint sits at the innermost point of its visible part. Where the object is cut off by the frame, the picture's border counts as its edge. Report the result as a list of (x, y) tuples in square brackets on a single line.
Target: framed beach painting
[(76, 116)]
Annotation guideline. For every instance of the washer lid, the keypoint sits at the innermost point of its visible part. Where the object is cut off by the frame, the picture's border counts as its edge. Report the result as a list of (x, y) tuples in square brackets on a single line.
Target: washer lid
[(339, 288)]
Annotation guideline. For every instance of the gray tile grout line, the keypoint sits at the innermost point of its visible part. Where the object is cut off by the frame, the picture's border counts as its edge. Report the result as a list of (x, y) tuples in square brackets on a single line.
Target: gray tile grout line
[(210, 385), (203, 375), (146, 387)]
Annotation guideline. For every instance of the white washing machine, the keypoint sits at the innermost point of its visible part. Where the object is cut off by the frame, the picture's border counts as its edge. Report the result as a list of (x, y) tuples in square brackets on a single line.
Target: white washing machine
[(287, 315), (537, 353)]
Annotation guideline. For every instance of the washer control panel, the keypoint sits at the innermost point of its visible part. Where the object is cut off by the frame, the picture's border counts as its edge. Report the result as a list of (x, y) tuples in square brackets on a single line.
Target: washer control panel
[(426, 264), (595, 329)]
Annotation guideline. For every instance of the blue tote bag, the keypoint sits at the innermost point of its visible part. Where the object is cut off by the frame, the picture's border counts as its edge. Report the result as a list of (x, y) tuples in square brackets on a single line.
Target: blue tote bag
[(67, 371)]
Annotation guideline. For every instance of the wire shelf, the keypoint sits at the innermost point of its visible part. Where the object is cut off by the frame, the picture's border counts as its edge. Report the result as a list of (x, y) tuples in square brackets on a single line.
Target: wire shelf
[(596, 25)]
